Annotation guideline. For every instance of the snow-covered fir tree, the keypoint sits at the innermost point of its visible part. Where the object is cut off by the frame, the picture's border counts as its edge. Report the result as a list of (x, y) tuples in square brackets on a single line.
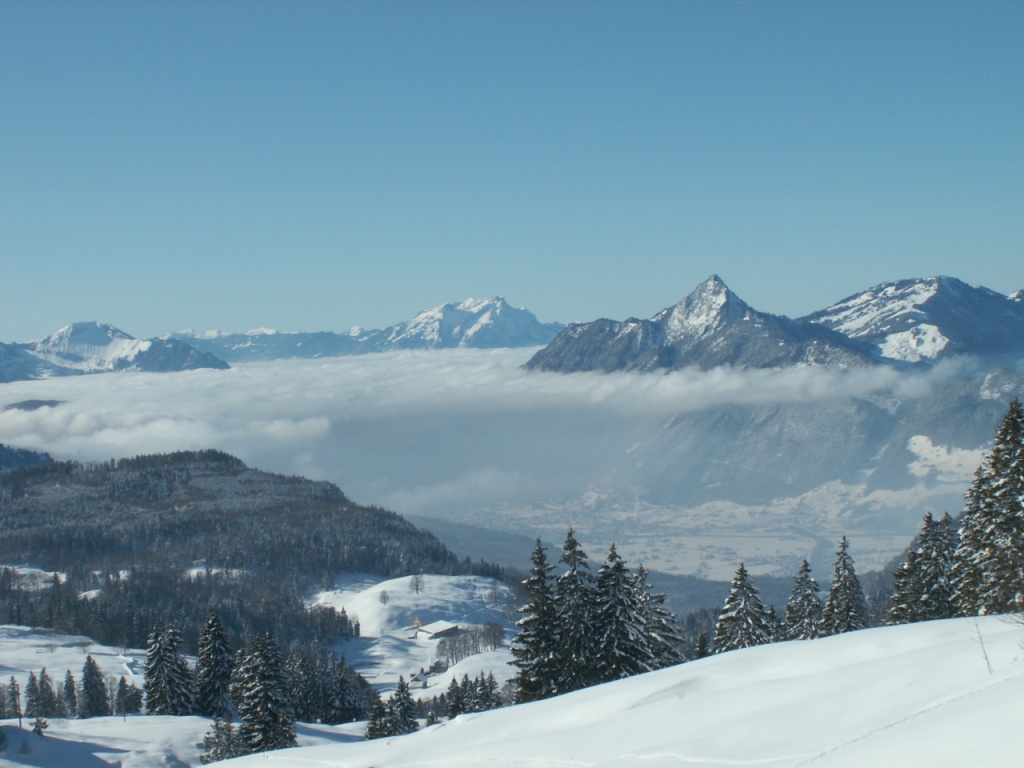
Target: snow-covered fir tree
[(69, 693), (456, 706), (213, 670), (988, 567), (222, 742), (401, 710), (32, 696), (575, 599), (744, 620), (93, 700), (845, 608), (664, 641), (921, 585), (378, 727), (14, 700), (535, 647), (260, 695), (803, 611), (169, 685), (622, 646)]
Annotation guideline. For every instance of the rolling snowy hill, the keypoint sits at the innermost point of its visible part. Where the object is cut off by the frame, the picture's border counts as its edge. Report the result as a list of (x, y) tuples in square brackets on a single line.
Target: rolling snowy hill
[(919, 696)]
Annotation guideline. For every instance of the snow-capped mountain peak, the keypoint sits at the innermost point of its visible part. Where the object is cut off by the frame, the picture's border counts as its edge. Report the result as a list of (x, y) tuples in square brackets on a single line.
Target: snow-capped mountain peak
[(923, 319), (89, 346), (710, 306), (472, 323), (93, 347)]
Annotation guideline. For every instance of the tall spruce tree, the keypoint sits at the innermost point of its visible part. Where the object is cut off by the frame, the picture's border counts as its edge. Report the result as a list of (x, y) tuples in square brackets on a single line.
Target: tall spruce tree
[(14, 700), (845, 607), (921, 588), (93, 701), (261, 697), (988, 568), (213, 670), (664, 641), (169, 685), (622, 647), (575, 600), (401, 710), (70, 694), (534, 649), (803, 611), (744, 620)]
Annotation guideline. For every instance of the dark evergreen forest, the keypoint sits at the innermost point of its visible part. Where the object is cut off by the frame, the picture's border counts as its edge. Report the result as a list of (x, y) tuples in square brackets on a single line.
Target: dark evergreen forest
[(163, 539)]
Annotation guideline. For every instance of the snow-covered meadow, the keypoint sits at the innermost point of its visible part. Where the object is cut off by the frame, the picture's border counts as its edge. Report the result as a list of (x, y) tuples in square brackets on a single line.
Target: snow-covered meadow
[(926, 695)]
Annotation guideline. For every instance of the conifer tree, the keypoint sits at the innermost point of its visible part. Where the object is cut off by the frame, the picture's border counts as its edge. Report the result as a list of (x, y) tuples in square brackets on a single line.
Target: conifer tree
[(259, 693), (921, 589), (47, 696), (622, 647), (69, 693), (803, 611), (14, 700), (988, 569), (703, 647), (213, 670), (378, 726), (222, 742), (743, 621), (534, 649), (93, 701), (575, 600), (845, 607), (456, 706), (663, 640), (32, 696), (401, 710), (168, 680)]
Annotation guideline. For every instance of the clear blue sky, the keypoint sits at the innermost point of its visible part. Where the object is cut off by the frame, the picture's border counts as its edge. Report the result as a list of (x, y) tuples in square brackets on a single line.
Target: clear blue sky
[(315, 165)]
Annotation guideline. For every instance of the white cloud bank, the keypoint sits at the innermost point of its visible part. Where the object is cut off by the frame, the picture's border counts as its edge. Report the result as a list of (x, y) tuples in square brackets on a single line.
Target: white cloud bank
[(417, 429)]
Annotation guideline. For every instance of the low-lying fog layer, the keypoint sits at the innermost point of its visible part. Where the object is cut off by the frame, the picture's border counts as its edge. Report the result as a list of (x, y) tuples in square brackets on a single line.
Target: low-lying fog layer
[(465, 433)]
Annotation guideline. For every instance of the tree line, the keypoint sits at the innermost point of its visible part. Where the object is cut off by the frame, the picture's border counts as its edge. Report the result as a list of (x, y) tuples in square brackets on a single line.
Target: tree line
[(578, 629)]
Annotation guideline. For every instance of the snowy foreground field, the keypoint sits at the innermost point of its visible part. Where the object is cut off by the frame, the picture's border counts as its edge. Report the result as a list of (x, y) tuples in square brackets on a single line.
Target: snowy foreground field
[(937, 694)]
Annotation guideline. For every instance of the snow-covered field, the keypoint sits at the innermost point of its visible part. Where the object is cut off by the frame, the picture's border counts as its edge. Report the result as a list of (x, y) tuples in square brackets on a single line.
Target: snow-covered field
[(389, 645), (920, 696)]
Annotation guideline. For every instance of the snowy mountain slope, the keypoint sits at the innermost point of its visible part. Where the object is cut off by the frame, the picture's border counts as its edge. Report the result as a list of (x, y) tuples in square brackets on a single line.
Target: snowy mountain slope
[(482, 324), (474, 323), (388, 645), (918, 695), (98, 348), (94, 347), (926, 319), (711, 327)]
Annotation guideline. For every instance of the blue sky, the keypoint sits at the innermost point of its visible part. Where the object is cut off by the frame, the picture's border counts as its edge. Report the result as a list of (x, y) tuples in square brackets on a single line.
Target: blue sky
[(316, 165)]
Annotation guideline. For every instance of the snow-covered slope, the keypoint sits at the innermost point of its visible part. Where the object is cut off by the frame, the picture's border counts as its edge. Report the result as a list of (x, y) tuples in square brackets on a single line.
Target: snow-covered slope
[(921, 320), (389, 645), (711, 327), (922, 696)]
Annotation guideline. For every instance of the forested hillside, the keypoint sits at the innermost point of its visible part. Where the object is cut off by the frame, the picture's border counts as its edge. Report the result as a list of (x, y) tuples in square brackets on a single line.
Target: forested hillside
[(163, 538)]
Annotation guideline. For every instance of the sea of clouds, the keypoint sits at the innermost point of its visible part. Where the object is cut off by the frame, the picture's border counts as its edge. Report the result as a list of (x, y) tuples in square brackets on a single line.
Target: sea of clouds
[(418, 432)]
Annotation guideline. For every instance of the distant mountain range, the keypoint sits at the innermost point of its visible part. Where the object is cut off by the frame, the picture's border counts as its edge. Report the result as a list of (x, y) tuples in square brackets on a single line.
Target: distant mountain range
[(93, 347), (98, 348), (486, 323), (904, 322)]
